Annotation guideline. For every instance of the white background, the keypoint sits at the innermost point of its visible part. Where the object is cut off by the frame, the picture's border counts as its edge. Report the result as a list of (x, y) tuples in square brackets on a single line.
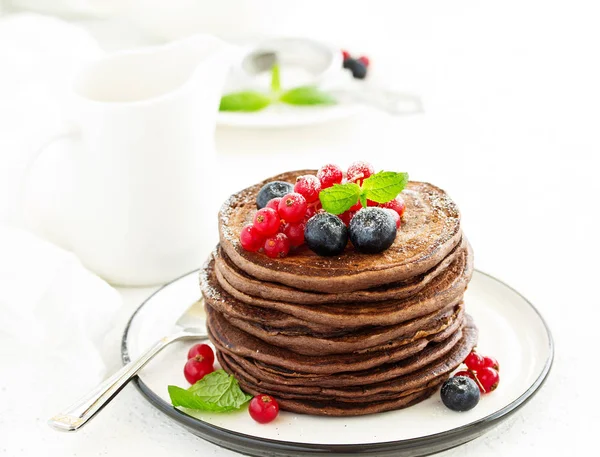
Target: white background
[(511, 131)]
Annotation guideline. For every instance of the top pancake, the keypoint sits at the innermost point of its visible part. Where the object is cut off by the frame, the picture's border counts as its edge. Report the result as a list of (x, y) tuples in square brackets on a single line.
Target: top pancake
[(430, 230)]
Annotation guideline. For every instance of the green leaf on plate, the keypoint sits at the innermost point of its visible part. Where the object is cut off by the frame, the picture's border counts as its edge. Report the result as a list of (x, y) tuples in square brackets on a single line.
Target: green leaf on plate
[(216, 391), (246, 101), (307, 96)]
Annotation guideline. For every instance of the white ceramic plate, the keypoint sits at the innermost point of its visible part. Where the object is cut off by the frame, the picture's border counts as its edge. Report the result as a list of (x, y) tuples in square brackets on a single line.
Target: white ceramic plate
[(510, 329)]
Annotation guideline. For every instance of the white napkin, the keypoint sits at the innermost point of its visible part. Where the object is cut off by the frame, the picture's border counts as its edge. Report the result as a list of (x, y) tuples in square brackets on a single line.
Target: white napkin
[(54, 313), (54, 316)]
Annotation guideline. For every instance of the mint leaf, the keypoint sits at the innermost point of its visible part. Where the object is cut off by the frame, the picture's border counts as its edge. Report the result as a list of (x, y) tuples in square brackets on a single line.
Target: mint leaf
[(340, 197), (217, 391), (182, 397), (384, 186), (307, 95), (246, 101)]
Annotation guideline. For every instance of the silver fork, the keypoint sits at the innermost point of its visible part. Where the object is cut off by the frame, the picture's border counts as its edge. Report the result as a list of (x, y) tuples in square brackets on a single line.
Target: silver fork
[(191, 325)]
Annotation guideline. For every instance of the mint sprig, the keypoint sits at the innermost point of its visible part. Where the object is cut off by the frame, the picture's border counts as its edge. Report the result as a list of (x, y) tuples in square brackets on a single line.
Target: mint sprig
[(250, 100), (216, 391), (380, 187)]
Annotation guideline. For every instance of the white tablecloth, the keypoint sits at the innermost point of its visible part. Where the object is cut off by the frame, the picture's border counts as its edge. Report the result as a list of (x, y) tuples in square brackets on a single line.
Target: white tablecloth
[(511, 132)]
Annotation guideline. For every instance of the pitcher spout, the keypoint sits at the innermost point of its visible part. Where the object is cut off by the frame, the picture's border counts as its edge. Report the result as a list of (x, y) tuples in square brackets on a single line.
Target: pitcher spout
[(204, 58), (156, 73)]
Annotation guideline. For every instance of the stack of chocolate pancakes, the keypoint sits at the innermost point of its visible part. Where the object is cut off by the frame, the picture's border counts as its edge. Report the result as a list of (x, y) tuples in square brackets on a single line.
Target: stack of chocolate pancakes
[(347, 335)]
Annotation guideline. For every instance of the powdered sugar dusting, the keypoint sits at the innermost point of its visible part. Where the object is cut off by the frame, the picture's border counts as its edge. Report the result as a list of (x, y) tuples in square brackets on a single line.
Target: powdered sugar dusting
[(430, 228), (311, 183), (207, 290)]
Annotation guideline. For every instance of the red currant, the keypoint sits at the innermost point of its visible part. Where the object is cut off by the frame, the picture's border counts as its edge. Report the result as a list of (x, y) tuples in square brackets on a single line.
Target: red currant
[(346, 217), (394, 216), (345, 54), (491, 362), (266, 221), (277, 246), (274, 203), (263, 409), (312, 209), (467, 373), (310, 212), (489, 379), (250, 239), (359, 171), (309, 187), (474, 361), (396, 204), (329, 175), (470, 374), (196, 368), (295, 233), (365, 60), (292, 207), (204, 351)]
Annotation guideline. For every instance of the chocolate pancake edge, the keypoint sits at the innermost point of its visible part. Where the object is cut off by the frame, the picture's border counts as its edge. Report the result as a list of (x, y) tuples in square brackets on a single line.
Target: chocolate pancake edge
[(231, 340), (429, 232), (433, 361), (438, 293), (247, 285)]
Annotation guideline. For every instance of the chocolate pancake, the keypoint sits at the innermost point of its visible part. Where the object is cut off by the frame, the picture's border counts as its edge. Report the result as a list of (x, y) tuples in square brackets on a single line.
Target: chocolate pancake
[(314, 344), (442, 290), (329, 408), (352, 395), (244, 284), (233, 341), (374, 392), (434, 359), (429, 232), (393, 392)]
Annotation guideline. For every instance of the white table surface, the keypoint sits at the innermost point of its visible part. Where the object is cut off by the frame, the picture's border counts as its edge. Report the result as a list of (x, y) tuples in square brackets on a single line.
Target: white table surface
[(511, 132)]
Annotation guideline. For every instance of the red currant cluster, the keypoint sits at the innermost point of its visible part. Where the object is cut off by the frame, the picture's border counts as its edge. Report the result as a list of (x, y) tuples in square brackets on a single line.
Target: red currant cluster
[(200, 363), (484, 370), (279, 226), (201, 359)]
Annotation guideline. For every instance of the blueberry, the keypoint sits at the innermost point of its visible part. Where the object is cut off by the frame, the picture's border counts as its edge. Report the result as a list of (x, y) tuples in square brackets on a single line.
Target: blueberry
[(460, 393), (326, 234), (272, 190), (358, 69), (372, 230)]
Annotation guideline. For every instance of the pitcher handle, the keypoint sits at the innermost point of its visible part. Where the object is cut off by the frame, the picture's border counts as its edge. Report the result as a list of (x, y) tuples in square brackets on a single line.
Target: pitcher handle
[(69, 130)]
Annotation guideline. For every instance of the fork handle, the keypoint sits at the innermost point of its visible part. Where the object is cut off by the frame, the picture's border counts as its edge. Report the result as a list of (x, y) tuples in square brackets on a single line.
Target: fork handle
[(80, 412)]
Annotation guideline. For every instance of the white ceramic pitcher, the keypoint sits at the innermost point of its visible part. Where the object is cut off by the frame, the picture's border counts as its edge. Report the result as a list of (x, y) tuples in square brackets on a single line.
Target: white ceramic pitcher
[(129, 198)]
